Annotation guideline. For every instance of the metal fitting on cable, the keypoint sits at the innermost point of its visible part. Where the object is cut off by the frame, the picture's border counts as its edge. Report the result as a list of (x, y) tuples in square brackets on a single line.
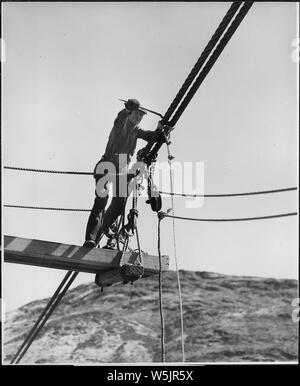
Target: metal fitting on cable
[(167, 140), (131, 225), (161, 215), (134, 212)]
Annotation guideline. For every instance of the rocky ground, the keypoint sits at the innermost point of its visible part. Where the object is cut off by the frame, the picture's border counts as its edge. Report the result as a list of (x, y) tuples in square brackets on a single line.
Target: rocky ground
[(226, 319)]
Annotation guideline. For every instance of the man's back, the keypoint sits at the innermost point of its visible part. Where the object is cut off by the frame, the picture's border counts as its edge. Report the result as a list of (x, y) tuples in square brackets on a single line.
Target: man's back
[(122, 138)]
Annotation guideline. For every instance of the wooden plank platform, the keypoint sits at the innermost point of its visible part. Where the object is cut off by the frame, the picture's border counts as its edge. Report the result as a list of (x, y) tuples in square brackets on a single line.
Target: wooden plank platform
[(72, 257)]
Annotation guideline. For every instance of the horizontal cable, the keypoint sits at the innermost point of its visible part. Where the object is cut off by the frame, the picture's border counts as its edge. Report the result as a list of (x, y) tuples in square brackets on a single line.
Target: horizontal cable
[(46, 208), (161, 192), (48, 171), (162, 215), (229, 194)]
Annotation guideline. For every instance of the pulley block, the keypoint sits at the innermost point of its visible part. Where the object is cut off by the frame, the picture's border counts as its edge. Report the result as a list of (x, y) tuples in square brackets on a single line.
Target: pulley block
[(155, 203)]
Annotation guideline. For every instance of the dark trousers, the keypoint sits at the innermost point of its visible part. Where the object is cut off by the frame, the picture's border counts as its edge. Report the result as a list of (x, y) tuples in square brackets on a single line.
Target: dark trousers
[(99, 221)]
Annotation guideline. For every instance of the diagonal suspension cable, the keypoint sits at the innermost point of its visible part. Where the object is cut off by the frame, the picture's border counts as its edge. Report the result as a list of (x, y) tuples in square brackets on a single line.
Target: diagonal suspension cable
[(212, 60), (53, 303), (205, 54), (150, 151), (35, 326)]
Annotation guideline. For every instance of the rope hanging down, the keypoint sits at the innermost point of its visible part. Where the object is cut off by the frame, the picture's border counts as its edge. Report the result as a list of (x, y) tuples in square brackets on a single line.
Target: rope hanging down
[(175, 251), (162, 322)]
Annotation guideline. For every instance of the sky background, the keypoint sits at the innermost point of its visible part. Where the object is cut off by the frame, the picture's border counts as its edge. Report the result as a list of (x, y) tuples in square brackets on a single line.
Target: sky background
[(66, 65)]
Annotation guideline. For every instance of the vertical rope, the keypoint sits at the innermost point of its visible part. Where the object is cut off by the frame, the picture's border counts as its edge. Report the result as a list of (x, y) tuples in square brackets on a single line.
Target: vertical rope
[(162, 323), (135, 195), (175, 253), (139, 245)]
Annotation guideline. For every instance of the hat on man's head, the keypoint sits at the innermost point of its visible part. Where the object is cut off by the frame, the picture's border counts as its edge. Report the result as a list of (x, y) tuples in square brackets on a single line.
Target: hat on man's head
[(134, 104)]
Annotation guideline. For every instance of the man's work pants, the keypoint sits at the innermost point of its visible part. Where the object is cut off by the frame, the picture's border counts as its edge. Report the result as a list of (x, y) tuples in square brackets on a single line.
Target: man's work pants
[(99, 221), (95, 220)]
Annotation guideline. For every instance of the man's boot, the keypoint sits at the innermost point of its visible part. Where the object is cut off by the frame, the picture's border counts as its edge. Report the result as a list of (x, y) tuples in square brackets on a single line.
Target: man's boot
[(111, 244)]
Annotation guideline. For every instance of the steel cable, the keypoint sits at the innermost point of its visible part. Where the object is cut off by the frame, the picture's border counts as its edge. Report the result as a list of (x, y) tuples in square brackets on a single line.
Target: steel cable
[(229, 194), (47, 315), (206, 52), (168, 193), (31, 332), (46, 208), (48, 171), (213, 58), (162, 214)]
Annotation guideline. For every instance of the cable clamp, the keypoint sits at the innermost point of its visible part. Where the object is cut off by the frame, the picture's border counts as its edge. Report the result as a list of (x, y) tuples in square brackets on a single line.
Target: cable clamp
[(161, 215)]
